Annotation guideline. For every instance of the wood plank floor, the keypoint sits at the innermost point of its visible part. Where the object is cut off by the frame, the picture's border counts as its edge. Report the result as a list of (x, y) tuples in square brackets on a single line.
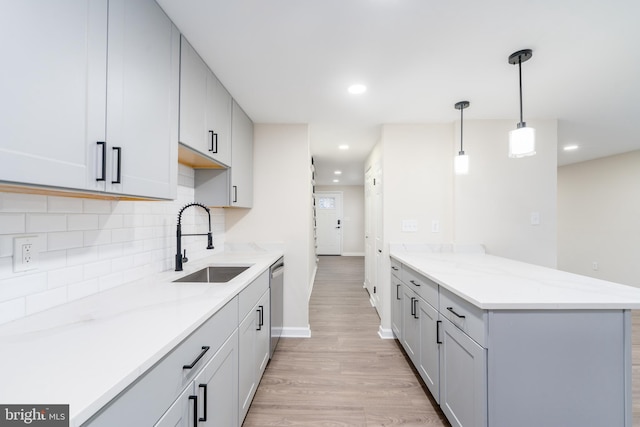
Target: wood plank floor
[(345, 375)]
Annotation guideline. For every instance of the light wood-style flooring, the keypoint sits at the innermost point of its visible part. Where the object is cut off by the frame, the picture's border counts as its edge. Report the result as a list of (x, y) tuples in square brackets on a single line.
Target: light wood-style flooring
[(345, 375)]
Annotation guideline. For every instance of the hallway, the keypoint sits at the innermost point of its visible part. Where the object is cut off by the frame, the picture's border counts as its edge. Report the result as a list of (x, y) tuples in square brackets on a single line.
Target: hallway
[(344, 375)]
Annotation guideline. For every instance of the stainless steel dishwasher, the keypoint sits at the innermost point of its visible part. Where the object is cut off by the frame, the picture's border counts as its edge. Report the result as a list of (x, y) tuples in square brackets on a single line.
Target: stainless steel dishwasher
[(276, 284)]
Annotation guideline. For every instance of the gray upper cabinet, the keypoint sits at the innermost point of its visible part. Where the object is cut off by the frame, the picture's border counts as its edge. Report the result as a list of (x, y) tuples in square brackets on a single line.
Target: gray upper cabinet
[(142, 100), (205, 108), (242, 159), (91, 96), (52, 110)]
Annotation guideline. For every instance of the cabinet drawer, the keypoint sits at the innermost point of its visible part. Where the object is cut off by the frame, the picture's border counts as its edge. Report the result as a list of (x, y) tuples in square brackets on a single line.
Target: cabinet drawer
[(466, 316), (424, 287), (396, 268), (251, 294), (147, 399)]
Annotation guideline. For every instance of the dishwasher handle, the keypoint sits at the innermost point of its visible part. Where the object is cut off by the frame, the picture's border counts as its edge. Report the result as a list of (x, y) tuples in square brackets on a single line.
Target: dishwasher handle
[(277, 271)]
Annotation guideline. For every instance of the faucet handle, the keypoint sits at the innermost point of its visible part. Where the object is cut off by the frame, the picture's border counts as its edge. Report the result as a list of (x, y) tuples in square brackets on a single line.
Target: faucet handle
[(184, 257)]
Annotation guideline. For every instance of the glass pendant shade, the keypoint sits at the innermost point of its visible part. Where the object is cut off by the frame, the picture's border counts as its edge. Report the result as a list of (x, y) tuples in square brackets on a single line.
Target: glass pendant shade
[(522, 142), (461, 164)]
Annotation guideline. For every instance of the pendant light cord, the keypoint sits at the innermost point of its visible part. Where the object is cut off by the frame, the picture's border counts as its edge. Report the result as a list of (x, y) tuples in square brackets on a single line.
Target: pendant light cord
[(520, 76), (461, 127)]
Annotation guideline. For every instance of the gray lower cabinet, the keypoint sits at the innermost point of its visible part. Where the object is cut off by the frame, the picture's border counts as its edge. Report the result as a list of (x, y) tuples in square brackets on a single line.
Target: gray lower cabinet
[(463, 378), (208, 399), (396, 310), (254, 337), (210, 378), (524, 367)]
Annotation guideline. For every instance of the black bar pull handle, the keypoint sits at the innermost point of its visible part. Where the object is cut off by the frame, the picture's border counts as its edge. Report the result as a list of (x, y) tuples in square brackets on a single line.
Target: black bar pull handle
[(397, 292), (438, 322), (204, 403), (413, 307), (394, 268), (195, 410), (414, 283), (460, 316), (415, 310), (214, 142), (260, 311), (103, 167), (205, 348), (235, 194), (118, 151)]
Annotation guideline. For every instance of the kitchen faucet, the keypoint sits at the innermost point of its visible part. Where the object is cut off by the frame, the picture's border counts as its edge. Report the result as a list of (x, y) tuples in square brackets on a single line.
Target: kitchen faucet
[(180, 258)]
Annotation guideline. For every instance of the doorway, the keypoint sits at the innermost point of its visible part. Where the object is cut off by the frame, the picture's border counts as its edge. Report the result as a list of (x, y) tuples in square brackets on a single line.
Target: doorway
[(330, 222)]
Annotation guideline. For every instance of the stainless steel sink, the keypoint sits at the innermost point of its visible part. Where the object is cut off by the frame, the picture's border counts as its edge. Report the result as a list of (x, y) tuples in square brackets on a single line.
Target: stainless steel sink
[(213, 274)]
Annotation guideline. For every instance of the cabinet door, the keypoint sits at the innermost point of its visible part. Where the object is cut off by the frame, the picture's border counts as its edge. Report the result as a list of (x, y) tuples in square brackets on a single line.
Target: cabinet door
[(263, 335), (463, 378), (217, 387), (241, 159), (396, 307), (247, 350), (193, 99), (429, 366), (142, 100), (53, 85), (219, 119), (183, 411), (410, 324)]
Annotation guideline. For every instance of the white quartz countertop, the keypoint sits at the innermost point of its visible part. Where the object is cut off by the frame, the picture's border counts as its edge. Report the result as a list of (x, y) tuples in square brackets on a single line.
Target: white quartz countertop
[(494, 283), (85, 352)]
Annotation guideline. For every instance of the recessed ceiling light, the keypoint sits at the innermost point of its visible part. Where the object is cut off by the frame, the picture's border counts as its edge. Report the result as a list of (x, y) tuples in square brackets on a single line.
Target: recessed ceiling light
[(343, 147), (336, 180), (357, 89), (570, 147), (338, 172)]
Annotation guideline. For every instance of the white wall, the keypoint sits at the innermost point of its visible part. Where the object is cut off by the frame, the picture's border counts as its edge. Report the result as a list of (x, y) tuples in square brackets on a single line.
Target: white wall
[(282, 211), (352, 217), (493, 204), (599, 218), (88, 245)]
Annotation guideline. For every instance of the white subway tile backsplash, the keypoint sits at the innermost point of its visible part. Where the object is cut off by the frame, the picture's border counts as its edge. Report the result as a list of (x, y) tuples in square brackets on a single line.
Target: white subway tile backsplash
[(97, 206), (96, 269), (15, 202), (111, 221), (64, 204), (64, 240), (89, 245), (46, 223), (83, 222), (64, 276), (12, 310), (12, 223), (22, 285), (82, 289), (97, 237), (43, 300)]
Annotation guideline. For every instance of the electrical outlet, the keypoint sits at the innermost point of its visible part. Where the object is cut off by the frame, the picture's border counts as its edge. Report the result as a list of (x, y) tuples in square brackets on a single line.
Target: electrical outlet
[(25, 253), (435, 226)]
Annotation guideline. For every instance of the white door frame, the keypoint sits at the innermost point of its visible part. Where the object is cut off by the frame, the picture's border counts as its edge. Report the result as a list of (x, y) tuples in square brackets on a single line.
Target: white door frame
[(339, 214)]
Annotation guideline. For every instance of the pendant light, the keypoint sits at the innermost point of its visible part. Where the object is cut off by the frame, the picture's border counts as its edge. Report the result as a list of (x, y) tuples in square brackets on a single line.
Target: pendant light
[(522, 140), (461, 161)]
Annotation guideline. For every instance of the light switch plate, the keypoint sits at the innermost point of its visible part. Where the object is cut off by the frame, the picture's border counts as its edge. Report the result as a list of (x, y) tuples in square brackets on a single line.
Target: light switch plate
[(409, 225), (25, 253)]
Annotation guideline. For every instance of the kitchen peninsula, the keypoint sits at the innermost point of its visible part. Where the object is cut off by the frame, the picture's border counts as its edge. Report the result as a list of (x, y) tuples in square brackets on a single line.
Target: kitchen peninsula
[(502, 343)]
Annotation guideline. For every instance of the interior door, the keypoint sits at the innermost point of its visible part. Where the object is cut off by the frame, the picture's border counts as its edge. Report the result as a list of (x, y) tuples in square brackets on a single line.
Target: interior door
[(329, 215)]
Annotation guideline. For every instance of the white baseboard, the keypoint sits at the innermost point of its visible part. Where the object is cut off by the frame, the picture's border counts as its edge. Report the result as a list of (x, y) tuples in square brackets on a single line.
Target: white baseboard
[(296, 332), (352, 254), (385, 334)]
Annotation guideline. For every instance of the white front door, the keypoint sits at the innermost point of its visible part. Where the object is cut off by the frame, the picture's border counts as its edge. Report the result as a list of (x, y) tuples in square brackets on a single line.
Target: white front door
[(329, 216)]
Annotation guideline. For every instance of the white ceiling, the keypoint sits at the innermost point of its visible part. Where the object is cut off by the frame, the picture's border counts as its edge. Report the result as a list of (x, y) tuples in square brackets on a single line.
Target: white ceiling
[(291, 61)]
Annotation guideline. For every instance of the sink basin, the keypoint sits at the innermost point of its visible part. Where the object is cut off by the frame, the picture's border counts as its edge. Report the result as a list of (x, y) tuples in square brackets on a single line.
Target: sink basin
[(215, 274)]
